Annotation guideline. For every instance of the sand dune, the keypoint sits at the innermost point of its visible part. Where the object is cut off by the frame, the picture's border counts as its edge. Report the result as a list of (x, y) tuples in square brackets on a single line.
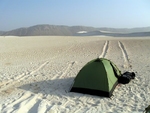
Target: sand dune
[(36, 74)]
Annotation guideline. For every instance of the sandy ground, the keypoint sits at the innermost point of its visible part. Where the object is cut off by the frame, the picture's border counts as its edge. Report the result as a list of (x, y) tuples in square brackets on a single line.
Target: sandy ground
[(36, 74)]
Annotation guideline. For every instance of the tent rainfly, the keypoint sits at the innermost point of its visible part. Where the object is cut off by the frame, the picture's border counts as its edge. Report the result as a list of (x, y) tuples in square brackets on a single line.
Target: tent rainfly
[(98, 77)]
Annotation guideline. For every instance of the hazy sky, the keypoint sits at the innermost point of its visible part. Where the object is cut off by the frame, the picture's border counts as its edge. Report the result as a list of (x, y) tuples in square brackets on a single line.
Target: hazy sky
[(96, 13)]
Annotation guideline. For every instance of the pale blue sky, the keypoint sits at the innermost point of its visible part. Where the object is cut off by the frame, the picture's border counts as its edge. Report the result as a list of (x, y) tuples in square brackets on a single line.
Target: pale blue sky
[(97, 13)]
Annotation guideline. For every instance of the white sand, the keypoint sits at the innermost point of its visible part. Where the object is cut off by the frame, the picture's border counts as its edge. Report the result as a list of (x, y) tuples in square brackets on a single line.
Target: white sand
[(36, 74)]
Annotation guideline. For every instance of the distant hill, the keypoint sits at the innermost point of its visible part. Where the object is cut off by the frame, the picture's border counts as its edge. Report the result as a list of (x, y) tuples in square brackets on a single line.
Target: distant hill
[(58, 30), (47, 30), (1, 32)]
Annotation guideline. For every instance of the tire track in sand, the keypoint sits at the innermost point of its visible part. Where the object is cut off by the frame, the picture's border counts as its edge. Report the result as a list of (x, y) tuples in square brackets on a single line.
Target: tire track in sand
[(125, 55), (24, 75), (7, 83), (28, 100), (65, 71), (105, 48), (27, 103)]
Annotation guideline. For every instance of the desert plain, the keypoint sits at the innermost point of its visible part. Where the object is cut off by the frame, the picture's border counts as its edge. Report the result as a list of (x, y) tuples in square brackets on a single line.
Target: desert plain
[(37, 72)]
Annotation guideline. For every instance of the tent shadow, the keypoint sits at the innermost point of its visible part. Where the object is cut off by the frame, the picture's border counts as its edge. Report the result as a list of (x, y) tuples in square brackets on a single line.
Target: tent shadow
[(56, 87)]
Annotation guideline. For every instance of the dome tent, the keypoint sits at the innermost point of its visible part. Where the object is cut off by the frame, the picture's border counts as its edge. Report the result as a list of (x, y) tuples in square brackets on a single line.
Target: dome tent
[(97, 77)]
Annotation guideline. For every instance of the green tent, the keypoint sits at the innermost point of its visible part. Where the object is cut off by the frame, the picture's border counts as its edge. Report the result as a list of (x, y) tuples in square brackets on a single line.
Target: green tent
[(147, 110), (97, 77)]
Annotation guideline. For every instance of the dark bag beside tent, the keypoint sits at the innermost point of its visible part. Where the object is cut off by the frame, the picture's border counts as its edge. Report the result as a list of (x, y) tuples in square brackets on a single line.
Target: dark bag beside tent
[(97, 77), (126, 77)]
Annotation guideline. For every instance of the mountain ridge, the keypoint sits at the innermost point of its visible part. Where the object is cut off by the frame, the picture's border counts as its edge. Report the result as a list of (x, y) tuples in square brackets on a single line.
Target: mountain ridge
[(62, 30)]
